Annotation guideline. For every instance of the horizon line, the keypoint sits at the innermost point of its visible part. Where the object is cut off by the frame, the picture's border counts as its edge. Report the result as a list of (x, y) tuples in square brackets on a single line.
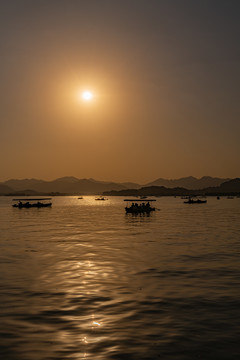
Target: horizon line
[(120, 182)]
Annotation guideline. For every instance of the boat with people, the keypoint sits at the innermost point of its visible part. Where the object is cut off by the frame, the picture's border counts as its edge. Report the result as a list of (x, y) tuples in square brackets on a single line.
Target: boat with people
[(32, 203), (194, 200), (139, 206)]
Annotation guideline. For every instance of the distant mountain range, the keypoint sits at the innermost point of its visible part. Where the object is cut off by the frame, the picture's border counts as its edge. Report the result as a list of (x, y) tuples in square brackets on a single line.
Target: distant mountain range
[(64, 185), (72, 185), (189, 182), (230, 187)]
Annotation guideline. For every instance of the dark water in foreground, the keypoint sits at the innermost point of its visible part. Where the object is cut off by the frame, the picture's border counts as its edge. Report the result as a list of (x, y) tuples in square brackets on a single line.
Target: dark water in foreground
[(85, 281)]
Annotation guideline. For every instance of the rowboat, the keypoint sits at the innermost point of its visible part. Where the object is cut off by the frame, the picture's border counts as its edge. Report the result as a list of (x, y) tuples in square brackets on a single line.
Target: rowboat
[(138, 206), (194, 200), (32, 203)]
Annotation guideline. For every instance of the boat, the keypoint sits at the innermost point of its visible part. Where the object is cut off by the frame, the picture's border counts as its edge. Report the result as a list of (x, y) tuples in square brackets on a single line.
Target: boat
[(101, 198), (35, 203), (194, 200), (80, 198), (144, 207)]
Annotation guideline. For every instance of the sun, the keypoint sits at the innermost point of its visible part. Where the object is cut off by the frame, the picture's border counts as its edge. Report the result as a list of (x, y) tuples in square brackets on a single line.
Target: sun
[(87, 95)]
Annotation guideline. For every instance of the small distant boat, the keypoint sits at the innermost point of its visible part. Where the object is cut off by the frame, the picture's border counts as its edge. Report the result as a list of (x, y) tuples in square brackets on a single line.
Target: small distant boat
[(101, 198), (35, 203), (143, 197), (144, 207), (80, 198), (194, 200)]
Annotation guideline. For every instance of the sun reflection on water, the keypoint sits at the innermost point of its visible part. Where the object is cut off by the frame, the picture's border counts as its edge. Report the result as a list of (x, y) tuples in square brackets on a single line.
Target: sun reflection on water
[(96, 323)]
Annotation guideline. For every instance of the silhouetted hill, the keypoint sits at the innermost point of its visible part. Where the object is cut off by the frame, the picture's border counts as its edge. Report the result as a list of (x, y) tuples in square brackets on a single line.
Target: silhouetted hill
[(227, 188), (65, 185), (26, 192), (5, 189), (231, 185), (23, 184), (68, 179), (151, 191), (130, 185), (71, 185), (189, 182)]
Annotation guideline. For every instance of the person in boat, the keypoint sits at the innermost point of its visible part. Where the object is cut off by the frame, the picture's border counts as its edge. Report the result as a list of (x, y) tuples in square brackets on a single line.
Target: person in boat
[(143, 206), (134, 206)]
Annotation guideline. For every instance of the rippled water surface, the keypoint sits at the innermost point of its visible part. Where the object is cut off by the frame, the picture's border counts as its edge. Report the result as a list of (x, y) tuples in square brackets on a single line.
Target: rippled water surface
[(82, 280)]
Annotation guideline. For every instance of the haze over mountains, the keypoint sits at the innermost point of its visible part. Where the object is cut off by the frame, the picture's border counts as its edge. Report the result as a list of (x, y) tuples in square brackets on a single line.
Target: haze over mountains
[(65, 185), (73, 185), (230, 187), (189, 182)]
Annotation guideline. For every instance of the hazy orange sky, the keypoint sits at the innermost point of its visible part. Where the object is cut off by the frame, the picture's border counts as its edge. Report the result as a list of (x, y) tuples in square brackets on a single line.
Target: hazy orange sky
[(165, 81)]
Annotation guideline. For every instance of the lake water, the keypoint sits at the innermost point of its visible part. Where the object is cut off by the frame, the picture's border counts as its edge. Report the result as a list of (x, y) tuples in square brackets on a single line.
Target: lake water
[(83, 280)]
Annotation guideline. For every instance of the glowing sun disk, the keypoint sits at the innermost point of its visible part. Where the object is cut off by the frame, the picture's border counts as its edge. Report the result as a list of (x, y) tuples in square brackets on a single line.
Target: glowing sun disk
[(87, 95)]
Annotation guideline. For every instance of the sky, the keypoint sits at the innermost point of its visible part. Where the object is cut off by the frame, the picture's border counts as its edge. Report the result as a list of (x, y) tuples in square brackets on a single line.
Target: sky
[(165, 80)]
